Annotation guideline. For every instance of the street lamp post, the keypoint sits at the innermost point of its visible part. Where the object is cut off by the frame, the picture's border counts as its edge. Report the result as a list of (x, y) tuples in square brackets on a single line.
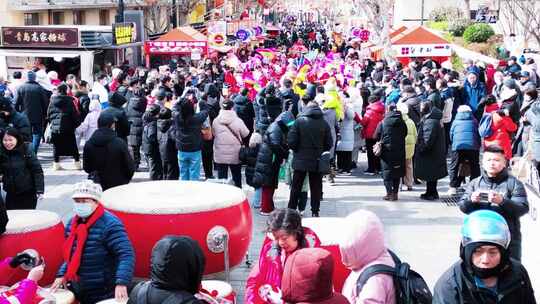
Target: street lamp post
[(120, 12)]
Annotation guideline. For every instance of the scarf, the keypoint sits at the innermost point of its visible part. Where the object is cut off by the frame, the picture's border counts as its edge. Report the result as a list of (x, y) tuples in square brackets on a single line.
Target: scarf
[(79, 231)]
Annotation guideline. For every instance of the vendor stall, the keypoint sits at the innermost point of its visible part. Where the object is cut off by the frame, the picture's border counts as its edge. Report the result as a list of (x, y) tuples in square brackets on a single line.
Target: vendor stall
[(183, 43), (66, 50), (420, 43)]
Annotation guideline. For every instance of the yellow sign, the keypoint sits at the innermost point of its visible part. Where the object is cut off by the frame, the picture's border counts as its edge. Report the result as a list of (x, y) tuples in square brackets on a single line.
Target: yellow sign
[(124, 33), (217, 39), (197, 14)]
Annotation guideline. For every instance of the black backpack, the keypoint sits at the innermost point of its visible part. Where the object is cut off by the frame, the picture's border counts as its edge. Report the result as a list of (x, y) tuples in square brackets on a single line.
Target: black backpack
[(410, 287)]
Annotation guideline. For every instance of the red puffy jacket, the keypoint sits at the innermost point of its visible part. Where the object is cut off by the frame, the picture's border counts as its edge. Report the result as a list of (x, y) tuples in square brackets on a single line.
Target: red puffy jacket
[(502, 127), (374, 115)]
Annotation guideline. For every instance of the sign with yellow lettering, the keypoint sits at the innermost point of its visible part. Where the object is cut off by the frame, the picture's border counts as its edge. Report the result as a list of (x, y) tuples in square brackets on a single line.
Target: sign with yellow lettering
[(124, 33)]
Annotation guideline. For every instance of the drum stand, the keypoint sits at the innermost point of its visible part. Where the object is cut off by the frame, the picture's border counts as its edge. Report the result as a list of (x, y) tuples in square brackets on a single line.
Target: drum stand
[(217, 241)]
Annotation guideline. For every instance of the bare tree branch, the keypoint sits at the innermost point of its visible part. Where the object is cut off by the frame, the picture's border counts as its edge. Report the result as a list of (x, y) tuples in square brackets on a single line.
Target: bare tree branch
[(521, 17), (378, 14)]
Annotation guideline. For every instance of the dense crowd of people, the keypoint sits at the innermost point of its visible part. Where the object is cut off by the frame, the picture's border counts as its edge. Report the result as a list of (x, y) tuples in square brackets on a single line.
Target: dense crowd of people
[(296, 113)]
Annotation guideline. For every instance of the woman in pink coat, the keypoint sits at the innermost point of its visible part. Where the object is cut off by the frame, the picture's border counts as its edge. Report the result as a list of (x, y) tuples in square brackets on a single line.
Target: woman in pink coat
[(26, 291), (229, 133), (362, 245)]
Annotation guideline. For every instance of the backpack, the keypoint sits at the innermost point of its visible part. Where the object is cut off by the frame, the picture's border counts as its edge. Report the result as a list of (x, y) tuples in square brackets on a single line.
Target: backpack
[(484, 127), (410, 287)]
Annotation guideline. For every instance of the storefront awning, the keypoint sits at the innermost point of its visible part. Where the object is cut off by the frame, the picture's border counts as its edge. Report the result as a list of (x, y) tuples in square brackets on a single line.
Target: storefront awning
[(39, 53)]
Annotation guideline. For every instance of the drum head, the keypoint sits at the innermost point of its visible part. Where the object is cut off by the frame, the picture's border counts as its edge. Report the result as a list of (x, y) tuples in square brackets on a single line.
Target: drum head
[(25, 221), (110, 301), (327, 229), (171, 197)]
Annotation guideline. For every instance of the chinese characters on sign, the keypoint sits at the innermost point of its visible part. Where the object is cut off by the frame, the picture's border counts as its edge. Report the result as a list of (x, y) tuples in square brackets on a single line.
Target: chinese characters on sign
[(124, 33), (175, 47), (423, 50), (40, 37)]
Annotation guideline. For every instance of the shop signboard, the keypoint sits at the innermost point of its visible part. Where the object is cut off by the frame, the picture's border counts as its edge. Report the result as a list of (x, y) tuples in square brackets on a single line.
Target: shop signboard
[(40, 37), (124, 33), (176, 47), (422, 50)]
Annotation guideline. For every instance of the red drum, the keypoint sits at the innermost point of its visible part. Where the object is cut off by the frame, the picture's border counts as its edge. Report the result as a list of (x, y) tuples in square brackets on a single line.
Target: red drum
[(219, 291), (34, 229), (206, 212), (328, 229)]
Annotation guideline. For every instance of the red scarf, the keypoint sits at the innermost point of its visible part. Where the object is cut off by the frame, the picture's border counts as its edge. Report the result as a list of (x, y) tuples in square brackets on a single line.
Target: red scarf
[(79, 231)]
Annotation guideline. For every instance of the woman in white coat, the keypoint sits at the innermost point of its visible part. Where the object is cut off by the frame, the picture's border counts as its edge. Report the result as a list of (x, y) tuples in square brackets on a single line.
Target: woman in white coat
[(345, 142), (89, 125), (229, 132)]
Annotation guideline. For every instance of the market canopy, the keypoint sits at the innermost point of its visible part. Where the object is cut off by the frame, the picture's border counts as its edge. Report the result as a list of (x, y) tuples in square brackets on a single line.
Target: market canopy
[(179, 41), (420, 42)]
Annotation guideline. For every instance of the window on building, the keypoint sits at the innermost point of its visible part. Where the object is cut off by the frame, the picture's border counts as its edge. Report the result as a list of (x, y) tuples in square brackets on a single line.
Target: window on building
[(104, 18), (79, 17), (31, 18), (56, 18)]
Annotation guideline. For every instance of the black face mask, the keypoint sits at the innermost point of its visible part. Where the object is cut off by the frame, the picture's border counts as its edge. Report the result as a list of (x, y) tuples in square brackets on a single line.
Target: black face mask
[(484, 273)]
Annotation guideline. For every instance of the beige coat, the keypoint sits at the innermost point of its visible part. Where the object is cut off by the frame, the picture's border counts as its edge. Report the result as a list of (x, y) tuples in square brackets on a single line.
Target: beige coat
[(228, 132)]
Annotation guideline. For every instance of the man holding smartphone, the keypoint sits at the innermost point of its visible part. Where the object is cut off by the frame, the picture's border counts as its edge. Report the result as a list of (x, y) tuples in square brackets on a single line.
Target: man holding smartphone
[(499, 191)]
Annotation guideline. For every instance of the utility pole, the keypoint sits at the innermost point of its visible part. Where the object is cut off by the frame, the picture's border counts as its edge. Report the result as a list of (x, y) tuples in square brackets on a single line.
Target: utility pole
[(120, 12), (422, 16)]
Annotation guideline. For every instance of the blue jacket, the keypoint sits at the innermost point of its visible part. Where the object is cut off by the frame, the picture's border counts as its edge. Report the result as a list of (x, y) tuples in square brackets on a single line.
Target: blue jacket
[(464, 132), (108, 259), (393, 97), (473, 94)]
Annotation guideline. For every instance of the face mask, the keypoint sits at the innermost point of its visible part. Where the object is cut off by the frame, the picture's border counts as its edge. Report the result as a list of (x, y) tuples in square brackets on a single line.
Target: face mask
[(83, 210)]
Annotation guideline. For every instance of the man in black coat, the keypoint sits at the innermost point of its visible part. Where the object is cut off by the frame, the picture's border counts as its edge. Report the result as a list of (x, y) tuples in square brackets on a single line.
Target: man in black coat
[(150, 144), (244, 109), (11, 118), (499, 191), (287, 94), (177, 270), (485, 274), (106, 156), (392, 132), (116, 109), (32, 100), (430, 150), (269, 107), (135, 110), (309, 137)]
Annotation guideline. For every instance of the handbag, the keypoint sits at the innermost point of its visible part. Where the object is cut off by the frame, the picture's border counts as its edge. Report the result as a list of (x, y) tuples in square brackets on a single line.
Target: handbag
[(324, 163), (377, 148), (207, 134)]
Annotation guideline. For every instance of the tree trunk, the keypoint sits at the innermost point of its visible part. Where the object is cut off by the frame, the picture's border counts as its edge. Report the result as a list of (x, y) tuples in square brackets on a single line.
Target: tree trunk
[(467, 9)]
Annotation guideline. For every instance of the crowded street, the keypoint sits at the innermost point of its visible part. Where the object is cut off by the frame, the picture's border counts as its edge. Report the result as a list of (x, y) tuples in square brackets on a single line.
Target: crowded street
[(278, 152)]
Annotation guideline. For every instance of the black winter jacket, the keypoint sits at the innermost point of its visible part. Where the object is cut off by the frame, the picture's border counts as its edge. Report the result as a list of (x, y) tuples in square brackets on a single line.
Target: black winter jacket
[(33, 100), (21, 170), (62, 115), (245, 111), (268, 109), (514, 206), (116, 103), (414, 109), (248, 157), (457, 286), (188, 133), (18, 121), (108, 157), (135, 110), (309, 137), (166, 138), (176, 270), (392, 132), (150, 143), (84, 104), (430, 155), (273, 151), (289, 94)]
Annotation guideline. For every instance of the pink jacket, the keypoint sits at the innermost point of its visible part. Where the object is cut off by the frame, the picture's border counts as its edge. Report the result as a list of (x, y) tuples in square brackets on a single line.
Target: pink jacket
[(229, 131), (26, 291), (362, 245), (269, 269)]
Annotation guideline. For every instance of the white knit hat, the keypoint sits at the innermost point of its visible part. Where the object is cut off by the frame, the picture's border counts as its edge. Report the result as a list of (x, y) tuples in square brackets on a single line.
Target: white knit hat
[(87, 189)]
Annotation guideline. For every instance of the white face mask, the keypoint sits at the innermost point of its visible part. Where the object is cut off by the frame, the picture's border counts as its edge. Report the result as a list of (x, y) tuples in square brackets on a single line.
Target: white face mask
[(84, 210)]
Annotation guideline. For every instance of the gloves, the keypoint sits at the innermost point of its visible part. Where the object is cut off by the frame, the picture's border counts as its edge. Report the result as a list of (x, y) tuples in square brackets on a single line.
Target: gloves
[(19, 259)]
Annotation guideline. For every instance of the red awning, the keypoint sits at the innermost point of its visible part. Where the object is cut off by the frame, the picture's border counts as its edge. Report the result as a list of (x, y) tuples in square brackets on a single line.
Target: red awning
[(179, 41)]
